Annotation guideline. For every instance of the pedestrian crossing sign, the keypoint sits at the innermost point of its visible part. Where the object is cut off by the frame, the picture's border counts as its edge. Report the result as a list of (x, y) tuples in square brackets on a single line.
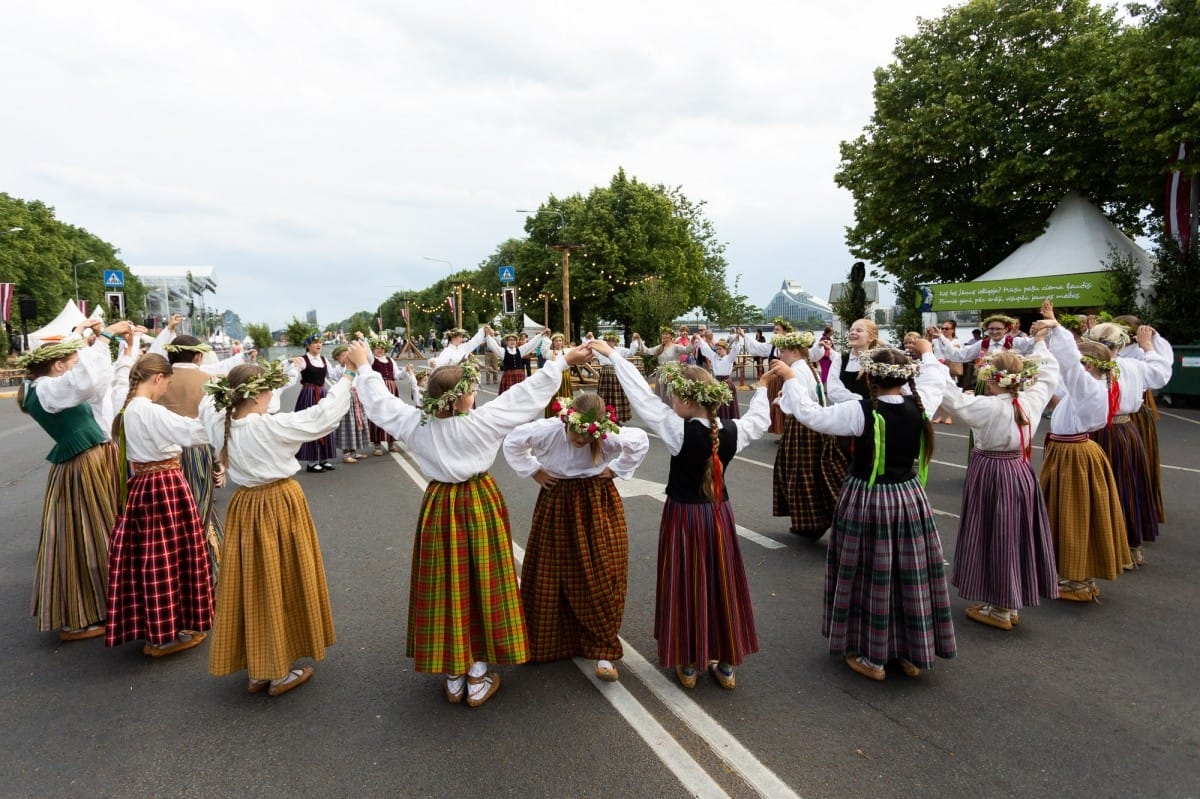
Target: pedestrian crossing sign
[(114, 279), (508, 274)]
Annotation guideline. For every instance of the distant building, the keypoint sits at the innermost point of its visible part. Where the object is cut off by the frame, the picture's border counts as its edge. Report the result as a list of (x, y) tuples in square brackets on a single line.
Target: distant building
[(176, 290), (798, 306), (871, 288)]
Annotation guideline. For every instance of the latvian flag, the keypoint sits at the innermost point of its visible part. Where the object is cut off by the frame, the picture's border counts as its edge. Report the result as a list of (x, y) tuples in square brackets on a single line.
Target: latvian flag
[(6, 295), (1179, 204), (404, 313), (83, 307), (450, 302)]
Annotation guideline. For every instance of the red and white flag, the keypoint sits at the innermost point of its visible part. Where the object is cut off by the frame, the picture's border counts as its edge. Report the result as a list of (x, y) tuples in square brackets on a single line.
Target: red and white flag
[(1179, 203), (450, 302), (83, 307), (404, 313), (379, 323), (6, 297)]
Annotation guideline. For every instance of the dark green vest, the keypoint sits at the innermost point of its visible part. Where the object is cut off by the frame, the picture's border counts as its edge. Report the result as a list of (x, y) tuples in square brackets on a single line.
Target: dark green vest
[(74, 430)]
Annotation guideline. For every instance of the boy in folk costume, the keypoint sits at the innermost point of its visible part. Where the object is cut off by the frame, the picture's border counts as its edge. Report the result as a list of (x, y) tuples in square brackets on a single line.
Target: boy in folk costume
[(703, 614), (69, 390), (886, 594), (160, 583), (399, 383), (999, 335), (459, 347), (513, 357), (607, 386), (573, 579), (809, 466), (272, 603), (464, 608)]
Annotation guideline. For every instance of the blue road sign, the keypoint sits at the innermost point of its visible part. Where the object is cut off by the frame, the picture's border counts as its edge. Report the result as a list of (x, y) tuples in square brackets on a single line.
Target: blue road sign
[(507, 274), (114, 279)]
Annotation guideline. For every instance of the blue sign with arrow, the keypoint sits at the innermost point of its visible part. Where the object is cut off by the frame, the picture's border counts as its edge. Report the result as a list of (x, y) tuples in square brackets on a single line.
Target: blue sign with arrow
[(114, 279), (507, 274)]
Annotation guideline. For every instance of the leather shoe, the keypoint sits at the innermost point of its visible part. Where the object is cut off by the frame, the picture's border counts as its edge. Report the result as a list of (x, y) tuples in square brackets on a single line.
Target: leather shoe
[(178, 645), (294, 679), (491, 683), (687, 675), (606, 672), (987, 614), (94, 631), (860, 664)]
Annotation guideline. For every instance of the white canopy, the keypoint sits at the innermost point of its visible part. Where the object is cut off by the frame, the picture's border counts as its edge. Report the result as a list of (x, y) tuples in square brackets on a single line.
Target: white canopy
[(61, 327)]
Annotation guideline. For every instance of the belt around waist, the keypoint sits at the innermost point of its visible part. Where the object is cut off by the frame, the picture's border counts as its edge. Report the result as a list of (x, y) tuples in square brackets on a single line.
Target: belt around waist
[(1073, 438), (156, 466), (1121, 418)]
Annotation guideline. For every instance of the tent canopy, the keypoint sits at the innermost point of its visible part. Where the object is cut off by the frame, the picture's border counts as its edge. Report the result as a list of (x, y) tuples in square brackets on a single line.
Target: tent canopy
[(61, 327)]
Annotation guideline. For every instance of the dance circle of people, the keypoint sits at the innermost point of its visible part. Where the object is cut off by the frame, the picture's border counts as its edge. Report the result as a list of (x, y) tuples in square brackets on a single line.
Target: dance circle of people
[(132, 548)]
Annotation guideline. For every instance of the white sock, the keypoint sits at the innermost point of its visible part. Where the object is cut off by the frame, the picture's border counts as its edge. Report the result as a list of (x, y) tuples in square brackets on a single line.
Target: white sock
[(478, 668), (604, 664)]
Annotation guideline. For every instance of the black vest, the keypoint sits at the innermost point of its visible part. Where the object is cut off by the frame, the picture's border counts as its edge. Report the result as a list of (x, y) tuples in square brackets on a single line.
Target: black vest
[(685, 480), (903, 427)]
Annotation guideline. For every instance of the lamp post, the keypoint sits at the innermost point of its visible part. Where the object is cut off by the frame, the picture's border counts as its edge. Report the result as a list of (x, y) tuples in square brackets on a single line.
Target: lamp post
[(565, 250), (75, 270)]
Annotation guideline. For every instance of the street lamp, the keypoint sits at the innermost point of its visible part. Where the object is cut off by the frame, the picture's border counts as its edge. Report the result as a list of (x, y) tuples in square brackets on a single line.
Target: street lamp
[(75, 270), (11, 230)]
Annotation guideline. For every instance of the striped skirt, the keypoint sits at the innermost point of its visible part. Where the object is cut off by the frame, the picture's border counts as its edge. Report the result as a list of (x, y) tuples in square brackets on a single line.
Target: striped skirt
[(509, 378), (566, 390), (1146, 421), (324, 448), (1122, 443), (886, 594), (1084, 511), (609, 389), (702, 598), (463, 603), (731, 409), (70, 575), (1004, 555), (574, 576), (352, 434), (159, 583), (272, 600), (809, 471), (198, 463), (380, 437)]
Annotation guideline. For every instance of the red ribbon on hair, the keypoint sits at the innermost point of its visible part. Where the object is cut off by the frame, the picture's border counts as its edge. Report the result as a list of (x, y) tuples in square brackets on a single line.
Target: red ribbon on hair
[(718, 478), (1114, 400)]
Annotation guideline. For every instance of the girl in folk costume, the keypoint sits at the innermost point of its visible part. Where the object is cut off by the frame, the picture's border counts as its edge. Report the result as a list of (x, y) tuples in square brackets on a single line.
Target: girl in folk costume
[(703, 613), (160, 584), (577, 557), (1076, 478), (464, 608), (459, 347), (998, 335), (393, 376), (566, 389), (848, 383), (810, 467), (886, 594), (723, 358), (68, 390), (1120, 438), (314, 371), (667, 352), (1005, 554), (353, 433), (607, 386), (272, 603), (769, 351), (182, 395), (512, 357), (1146, 419)]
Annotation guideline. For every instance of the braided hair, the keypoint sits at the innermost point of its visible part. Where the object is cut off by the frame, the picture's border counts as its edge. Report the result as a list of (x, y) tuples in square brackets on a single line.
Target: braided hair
[(895, 357), (238, 375), (1009, 361), (143, 369), (711, 482)]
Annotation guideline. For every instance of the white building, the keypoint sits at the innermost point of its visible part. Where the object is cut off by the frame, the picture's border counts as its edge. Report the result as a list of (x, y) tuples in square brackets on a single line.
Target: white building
[(177, 289), (798, 306)]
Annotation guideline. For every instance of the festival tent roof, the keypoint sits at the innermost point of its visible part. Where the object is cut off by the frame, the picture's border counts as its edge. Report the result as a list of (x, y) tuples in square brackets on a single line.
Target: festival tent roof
[(61, 327)]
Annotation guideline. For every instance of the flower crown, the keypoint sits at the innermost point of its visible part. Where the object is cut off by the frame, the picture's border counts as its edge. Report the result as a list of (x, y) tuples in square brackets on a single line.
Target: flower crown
[(50, 352), (1070, 322), (378, 343), (709, 393), (201, 347), (1103, 366), (432, 406), (1116, 342), (1016, 381), (879, 369), (1007, 321), (785, 324), (586, 423), (793, 340), (312, 337), (611, 337), (225, 395)]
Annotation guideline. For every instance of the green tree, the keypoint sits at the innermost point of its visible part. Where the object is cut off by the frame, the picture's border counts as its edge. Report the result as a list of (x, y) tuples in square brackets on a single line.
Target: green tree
[(981, 124), (260, 335), (851, 304), (1173, 310), (296, 331)]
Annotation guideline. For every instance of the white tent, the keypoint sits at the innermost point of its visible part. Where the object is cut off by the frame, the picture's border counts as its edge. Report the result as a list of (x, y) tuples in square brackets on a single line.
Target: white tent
[(62, 325), (530, 327), (1078, 239)]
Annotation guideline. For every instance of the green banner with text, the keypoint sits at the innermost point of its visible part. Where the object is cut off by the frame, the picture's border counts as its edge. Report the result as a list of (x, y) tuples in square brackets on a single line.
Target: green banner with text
[(1083, 290)]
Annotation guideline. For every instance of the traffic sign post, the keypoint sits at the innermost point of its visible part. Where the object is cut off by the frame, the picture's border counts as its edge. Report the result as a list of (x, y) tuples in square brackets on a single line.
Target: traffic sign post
[(510, 300), (508, 274), (115, 300)]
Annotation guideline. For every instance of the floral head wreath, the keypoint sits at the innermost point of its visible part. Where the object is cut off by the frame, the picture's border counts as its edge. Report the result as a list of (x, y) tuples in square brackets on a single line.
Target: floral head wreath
[(709, 393), (1007, 321), (879, 369), (50, 352), (1103, 366), (783, 323), (1070, 322), (611, 337), (431, 406), (201, 347), (309, 339), (590, 423), (666, 331), (377, 343), (225, 395), (793, 341), (456, 332), (1012, 381), (1116, 340)]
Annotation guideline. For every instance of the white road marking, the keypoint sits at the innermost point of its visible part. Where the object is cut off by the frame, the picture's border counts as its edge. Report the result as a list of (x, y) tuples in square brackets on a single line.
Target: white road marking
[(637, 487)]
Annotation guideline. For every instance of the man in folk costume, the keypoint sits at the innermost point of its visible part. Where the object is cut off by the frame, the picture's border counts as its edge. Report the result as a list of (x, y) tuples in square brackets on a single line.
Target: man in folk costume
[(512, 356), (999, 334)]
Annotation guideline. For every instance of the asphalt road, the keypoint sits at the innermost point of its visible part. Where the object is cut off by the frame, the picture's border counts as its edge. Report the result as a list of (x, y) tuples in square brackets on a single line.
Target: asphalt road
[(1080, 700)]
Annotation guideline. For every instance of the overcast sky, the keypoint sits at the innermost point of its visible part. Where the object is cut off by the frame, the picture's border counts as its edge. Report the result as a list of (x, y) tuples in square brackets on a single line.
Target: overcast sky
[(315, 154)]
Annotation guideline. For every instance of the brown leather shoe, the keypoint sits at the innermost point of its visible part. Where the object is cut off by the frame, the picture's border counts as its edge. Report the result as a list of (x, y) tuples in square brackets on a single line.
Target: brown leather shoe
[(178, 645), (687, 675), (94, 631), (860, 664), (453, 696), (294, 679), (986, 614), (607, 673), (492, 682)]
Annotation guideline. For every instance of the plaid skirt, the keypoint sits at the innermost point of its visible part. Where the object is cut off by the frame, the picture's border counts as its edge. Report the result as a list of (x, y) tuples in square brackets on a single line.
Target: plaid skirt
[(1085, 514), (1122, 443), (1146, 422), (353, 434), (809, 471), (198, 465), (777, 414), (272, 600), (324, 448), (702, 597), (731, 409), (464, 604), (380, 437), (609, 389), (1004, 555), (159, 582), (509, 378), (574, 577), (70, 574), (886, 594)]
